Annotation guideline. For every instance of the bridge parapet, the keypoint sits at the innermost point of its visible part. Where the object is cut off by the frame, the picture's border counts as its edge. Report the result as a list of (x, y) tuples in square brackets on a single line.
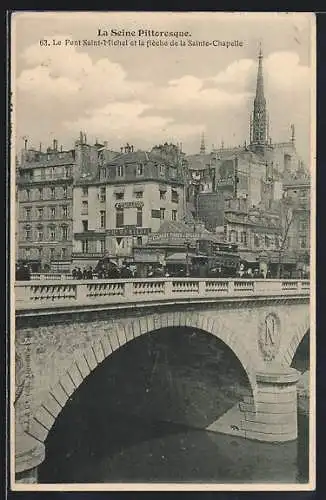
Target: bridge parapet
[(33, 295)]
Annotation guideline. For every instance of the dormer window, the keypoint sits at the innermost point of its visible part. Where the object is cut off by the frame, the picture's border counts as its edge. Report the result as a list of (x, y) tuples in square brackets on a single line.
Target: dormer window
[(120, 171), (140, 170)]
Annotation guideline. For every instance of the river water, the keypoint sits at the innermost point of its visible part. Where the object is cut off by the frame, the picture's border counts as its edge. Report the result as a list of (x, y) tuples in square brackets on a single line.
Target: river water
[(142, 418)]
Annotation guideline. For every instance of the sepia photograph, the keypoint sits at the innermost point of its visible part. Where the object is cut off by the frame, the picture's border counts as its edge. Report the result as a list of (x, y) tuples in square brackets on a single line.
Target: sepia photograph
[(162, 251)]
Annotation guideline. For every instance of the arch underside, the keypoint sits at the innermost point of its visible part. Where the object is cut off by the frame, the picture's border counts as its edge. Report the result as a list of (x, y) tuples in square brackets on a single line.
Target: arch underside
[(58, 395), (296, 340)]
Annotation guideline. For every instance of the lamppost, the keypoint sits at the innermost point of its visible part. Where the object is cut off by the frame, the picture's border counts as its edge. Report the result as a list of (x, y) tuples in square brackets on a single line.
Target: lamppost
[(187, 243)]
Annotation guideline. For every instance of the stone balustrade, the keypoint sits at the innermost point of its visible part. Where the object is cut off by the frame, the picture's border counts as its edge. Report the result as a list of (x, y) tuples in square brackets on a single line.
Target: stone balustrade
[(39, 294)]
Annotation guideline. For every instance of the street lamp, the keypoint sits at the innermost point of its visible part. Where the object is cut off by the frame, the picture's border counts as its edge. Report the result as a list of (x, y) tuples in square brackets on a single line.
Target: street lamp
[(187, 243)]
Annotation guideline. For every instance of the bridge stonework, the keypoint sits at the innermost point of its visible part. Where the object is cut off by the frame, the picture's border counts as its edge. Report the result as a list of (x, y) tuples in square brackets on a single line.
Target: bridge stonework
[(58, 351)]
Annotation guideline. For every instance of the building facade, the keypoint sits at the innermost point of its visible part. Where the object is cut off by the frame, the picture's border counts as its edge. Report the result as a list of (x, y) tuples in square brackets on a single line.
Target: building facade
[(125, 201), (44, 190), (296, 217), (44, 206)]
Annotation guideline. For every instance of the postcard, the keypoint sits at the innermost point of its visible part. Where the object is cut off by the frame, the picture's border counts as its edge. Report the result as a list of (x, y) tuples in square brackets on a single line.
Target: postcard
[(162, 251)]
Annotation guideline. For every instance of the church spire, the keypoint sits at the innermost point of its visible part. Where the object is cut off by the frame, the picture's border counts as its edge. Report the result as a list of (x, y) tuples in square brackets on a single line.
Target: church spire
[(259, 124), (202, 144)]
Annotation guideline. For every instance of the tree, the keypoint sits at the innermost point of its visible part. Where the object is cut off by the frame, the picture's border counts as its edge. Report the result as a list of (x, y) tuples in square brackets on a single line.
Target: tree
[(288, 222)]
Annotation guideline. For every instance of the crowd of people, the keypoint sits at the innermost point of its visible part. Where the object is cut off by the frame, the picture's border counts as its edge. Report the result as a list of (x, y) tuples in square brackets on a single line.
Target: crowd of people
[(110, 270), (23, 272)]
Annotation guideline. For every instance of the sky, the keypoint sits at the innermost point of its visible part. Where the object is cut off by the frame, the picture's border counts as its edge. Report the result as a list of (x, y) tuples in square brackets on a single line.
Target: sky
[(145, 96)]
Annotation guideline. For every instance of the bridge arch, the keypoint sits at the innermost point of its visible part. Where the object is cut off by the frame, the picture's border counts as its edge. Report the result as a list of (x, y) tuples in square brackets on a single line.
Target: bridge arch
[(118, 335), (295, 341)]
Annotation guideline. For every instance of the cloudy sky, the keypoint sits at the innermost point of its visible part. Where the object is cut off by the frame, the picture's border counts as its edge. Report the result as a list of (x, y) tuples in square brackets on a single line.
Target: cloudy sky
[(149, 95)]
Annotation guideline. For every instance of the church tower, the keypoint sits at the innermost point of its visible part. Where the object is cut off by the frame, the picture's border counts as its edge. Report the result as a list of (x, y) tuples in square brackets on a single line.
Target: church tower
[(259, 118), (202, 144)]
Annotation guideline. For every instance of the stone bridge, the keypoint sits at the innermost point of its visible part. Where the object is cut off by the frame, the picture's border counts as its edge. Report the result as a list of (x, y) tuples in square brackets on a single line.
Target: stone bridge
[(65, 329)]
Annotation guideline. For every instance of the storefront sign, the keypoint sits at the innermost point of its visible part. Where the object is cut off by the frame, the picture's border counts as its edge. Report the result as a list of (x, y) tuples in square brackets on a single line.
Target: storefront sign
[(129, 204), (128, 231), (173, 236)]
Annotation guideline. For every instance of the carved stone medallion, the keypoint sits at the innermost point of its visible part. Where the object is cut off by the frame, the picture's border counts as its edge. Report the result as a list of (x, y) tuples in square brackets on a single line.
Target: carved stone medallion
[(269, 336), (20, 376)]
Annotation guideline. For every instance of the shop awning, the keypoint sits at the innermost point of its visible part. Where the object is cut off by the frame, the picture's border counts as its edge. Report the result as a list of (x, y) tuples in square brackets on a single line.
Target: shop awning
[(249, 256), (179, 258)]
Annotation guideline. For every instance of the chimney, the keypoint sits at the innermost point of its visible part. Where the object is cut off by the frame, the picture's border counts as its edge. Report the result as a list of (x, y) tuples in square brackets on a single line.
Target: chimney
[(121, 149), (55, 144), (25, 143), (40, 146), (132, 148), (61, 148), (106, 144)]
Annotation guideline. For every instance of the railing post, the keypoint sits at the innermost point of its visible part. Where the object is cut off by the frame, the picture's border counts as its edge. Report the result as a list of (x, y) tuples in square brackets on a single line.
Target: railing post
[(168, 287), (231, 287), (128, 290), (202, 288), (81, 293)]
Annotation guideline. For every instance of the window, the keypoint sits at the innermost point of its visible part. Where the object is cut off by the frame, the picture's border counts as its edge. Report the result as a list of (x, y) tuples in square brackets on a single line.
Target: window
[(64, 233), (84, 208), (139, 241), (40, 252), (162, 170), (256, 240), (102, 219), (40, 194), (28, 234), (139, 217), (85, 246), (51, 253), (40, 213), (234, 236), (42, 173), (119, 217), (139, 170), (52, 233), (52, 212), (63, 253), (27, 213), (102, 246), (28, 194), (243, 238), (162, 212), (64, 194), (67, 172), (85, 191), (173, 172), (51, 172), (40, 234), (303, 242), (119, 196), (64, 211), (102, 194), (162, 194), (52, 193), (277, 241), (120, 171), (303, 225), (174, 215), (138, 194), (174, 196), (85, 225)]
